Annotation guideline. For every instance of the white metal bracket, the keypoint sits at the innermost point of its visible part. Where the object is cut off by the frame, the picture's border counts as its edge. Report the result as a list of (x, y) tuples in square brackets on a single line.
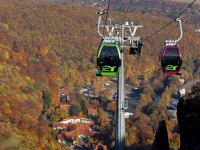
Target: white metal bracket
[(174, 42)]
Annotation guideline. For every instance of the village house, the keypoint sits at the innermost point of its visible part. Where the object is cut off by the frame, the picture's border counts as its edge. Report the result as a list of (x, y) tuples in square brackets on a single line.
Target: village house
[(181, 93), (92, 112), (174, 104), (187, 87), (62, 92), (63, 139), (71, 120), (59, 125), (172, 118), (94, 106), (85, 130), (127, 114), (72, 98), (182, 81), (83, 91), (171, 109), (64, 106), (67, 97)]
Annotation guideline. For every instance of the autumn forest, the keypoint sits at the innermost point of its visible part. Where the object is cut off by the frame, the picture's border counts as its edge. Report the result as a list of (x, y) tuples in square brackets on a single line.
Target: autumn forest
[(45, 46)]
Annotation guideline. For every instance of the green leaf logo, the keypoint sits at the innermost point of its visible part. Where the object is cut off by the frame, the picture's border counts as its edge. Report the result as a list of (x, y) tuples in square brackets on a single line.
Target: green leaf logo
[(108, 68), (170, 67)]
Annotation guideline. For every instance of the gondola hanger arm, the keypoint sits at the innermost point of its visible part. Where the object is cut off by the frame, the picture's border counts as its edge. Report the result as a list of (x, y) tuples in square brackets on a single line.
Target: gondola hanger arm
[(99, 22), (181, 31), (173, 42)]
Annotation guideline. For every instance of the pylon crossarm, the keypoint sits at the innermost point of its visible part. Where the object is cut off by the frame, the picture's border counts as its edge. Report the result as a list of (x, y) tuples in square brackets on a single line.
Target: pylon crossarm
[(110, 32), (134, 30)]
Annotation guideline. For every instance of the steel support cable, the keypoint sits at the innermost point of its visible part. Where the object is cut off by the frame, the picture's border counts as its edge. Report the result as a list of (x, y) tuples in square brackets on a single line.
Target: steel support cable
[(171, 21), (106, 15), (166, 26), (147, 71), (137, 63), (108, 10), (152, 65), (128, 8)]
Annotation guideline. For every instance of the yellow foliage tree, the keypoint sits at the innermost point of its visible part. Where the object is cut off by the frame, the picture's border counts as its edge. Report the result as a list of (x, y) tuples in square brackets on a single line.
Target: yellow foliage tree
[(168, 98), (103, 121), (80, 114), (111, 106), (90, 141), (130, 135), (77, 134)]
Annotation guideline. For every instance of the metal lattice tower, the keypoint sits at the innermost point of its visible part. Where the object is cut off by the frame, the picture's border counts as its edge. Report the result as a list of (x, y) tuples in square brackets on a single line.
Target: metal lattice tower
[(119, 34), (120, 119)]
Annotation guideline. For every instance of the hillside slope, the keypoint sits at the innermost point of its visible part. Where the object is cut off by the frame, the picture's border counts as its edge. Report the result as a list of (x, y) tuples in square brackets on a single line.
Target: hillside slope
[(45, 46)]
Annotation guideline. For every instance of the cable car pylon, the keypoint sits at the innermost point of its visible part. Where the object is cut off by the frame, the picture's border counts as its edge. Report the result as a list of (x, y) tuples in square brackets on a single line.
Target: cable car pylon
[(116, 36)]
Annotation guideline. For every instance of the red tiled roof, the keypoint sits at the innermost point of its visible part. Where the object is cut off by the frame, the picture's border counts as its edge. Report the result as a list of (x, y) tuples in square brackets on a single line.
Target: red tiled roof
[(66, 106), (55, 124), (92, 111), (63, 91), (82, 127), (72, 96), (62, 137), (94, 106), (84, 130), (72, 127)]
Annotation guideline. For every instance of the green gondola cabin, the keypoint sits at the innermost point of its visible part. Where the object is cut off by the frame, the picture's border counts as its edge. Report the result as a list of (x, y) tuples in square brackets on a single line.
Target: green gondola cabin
[(108, 59)]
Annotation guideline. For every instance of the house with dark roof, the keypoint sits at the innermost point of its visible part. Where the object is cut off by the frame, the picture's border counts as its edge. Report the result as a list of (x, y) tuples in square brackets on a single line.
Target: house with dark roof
[(100, 146), (187, 86), (174, 104), (172, 118), (172, 109), (181, 91)]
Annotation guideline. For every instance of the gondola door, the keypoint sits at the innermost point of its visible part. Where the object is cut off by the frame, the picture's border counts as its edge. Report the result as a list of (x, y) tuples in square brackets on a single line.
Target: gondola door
[(171, 60), (108, 59)]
